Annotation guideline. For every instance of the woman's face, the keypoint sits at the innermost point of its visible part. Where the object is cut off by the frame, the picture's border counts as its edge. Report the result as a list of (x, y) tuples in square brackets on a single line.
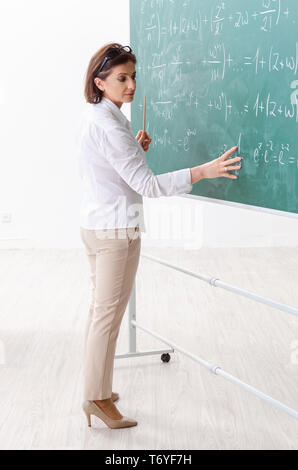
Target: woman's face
[(120, 85)]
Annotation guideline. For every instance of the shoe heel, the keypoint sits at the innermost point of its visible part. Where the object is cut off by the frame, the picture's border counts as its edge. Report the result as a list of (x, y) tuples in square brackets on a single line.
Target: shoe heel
[(88, 415), (88, 419)]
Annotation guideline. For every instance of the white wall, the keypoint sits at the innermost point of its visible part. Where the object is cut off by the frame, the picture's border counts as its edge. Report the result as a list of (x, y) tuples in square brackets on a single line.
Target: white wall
[(45, 50)]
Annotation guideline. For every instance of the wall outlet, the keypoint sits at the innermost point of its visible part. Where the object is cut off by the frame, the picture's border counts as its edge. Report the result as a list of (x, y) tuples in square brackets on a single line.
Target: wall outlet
[(6, 218)]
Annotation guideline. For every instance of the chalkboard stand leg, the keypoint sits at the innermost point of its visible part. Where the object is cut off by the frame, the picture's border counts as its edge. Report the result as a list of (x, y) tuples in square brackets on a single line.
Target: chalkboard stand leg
[(132, 335)]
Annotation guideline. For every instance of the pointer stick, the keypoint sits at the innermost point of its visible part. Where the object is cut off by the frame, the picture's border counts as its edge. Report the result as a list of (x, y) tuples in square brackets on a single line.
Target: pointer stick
[(144, 118)]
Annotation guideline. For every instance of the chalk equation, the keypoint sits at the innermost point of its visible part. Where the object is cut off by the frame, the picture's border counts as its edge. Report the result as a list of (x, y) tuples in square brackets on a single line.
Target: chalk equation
[(216, 21), (167, 140), (272, 153), (263, 105), (219, 60)]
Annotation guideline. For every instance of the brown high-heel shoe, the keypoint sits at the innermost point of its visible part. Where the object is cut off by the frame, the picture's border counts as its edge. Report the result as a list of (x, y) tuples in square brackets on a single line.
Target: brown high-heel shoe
[(115, 396), (91, 408)]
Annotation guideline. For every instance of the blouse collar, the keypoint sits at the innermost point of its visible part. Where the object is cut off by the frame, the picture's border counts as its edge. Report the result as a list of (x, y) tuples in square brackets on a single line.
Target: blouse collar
[(113, 107)]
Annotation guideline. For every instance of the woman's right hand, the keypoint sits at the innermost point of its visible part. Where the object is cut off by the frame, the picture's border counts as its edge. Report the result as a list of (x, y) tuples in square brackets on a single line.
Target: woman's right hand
[(144, 140), (216, 168)]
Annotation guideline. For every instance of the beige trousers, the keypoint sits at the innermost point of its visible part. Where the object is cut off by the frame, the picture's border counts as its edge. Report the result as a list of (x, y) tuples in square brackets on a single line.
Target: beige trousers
[(113, 255)]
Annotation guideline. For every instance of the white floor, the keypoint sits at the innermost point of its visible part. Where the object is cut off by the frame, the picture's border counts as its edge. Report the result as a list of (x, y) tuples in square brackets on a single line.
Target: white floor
[(44, 297)]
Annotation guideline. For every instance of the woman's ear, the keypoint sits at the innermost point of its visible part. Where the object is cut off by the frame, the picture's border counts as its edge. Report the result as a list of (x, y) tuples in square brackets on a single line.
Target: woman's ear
[(97, 83)]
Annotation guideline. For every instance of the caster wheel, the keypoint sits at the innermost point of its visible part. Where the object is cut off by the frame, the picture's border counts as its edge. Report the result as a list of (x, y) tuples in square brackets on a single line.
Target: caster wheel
[(165, 357)]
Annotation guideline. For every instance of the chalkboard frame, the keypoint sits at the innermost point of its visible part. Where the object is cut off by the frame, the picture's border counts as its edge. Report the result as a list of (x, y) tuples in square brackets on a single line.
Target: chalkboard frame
[(291, 215)]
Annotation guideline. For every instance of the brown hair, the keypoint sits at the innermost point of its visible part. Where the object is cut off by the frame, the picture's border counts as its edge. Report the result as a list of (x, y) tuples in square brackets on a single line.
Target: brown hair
[(92, 93)]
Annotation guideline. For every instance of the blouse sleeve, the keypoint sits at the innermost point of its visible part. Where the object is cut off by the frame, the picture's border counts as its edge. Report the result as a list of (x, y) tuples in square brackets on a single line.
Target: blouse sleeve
[(127, 157)]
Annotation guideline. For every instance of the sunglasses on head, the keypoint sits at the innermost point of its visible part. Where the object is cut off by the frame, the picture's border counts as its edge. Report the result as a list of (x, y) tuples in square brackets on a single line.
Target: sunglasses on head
[(112, 54)]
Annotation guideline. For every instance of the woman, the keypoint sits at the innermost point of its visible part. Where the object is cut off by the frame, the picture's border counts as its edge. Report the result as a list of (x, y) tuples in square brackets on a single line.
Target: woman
[(115, 177)]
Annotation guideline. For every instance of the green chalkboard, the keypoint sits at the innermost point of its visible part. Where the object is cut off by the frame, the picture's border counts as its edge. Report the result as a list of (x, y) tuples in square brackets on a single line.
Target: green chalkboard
[(218, 74)]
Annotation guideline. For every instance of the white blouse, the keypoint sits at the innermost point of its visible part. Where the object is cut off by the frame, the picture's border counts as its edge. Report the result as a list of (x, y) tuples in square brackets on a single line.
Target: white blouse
[(114, 173)]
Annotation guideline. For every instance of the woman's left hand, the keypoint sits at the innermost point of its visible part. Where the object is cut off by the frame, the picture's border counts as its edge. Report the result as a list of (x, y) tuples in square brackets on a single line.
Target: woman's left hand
[(144, 140)]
